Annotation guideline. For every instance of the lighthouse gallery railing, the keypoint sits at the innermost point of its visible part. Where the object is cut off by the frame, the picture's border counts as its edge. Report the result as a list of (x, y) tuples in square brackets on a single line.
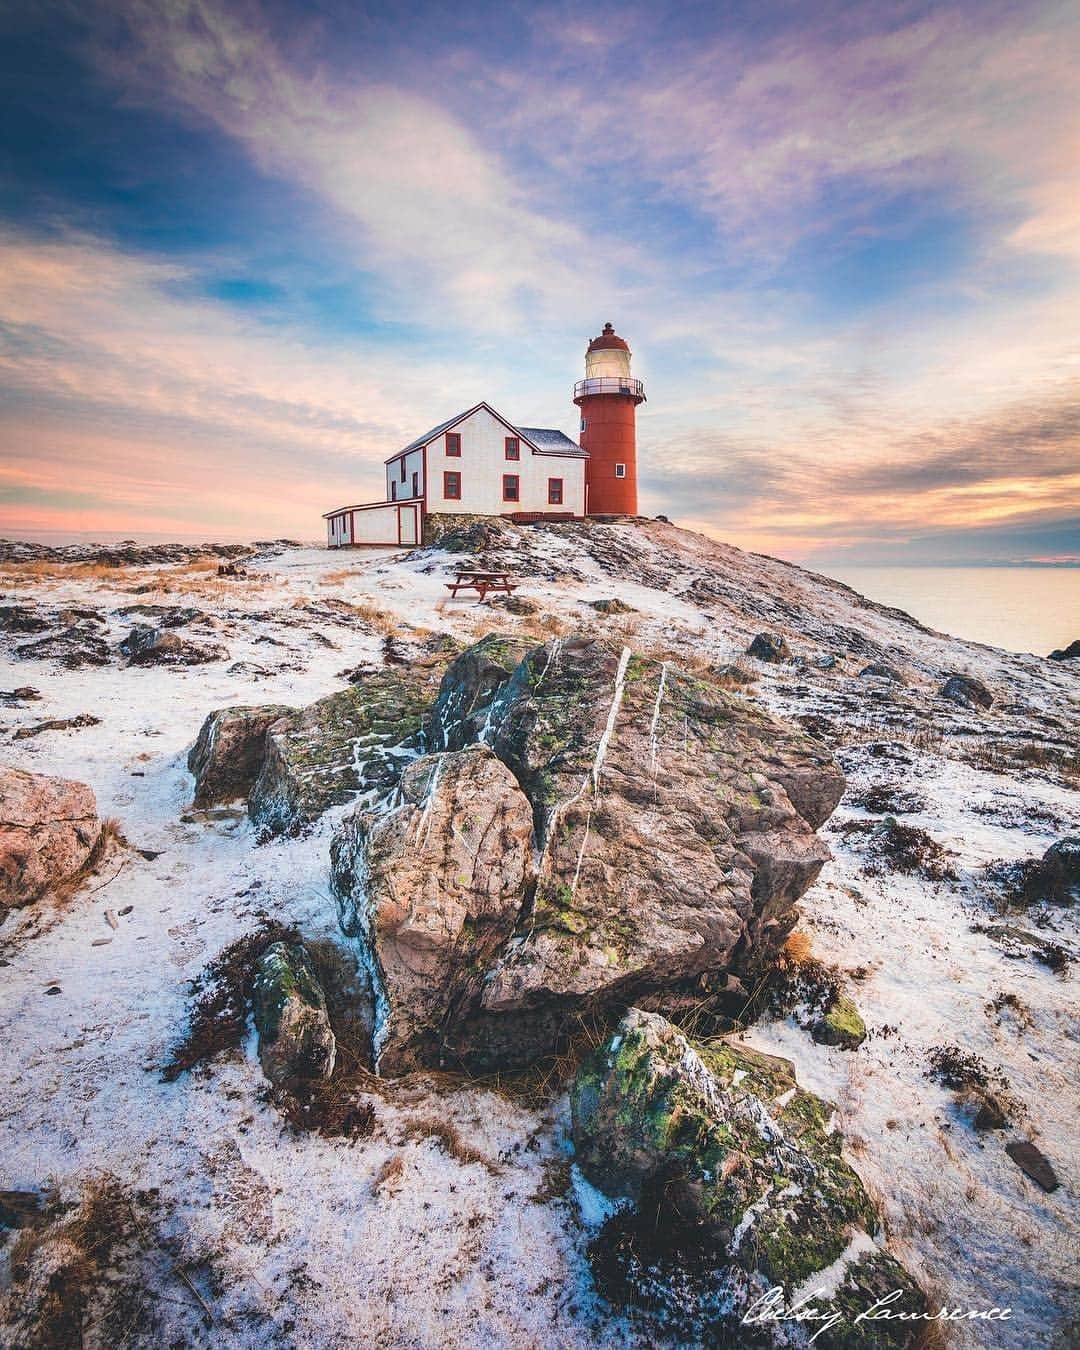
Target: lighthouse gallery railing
[(609, 384)]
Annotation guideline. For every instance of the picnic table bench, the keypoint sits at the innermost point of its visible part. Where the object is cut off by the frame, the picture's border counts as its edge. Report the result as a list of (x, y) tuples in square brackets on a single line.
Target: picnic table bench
[(472, 579)]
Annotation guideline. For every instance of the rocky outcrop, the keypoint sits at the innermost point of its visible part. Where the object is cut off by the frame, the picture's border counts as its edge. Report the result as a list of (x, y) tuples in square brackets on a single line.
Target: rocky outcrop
[(48, 829), (57, 724), (73, 647), (967, 691), (673, 831), (736, 1185), (461, 714), (880, 670), (145, 646), (228, 755), (164, 616), (770, 647), (21, 619), (352, 742), (1069, 653), (296, 1040), (434, 890), (612, 606)]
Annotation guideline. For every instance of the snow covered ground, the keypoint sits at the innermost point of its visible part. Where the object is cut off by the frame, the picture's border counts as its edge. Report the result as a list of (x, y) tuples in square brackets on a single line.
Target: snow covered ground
[(299, 1240)]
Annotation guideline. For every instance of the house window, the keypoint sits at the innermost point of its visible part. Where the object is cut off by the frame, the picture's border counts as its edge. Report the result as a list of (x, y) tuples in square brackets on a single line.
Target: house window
[(513, 447), (555, 492), (416, 485), (451, 487), (620, 470), (453, 443), (401, 467), (511, 487)]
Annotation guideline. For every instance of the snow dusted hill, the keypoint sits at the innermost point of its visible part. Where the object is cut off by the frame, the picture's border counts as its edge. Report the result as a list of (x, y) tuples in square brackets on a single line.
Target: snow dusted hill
[(459, 1219)]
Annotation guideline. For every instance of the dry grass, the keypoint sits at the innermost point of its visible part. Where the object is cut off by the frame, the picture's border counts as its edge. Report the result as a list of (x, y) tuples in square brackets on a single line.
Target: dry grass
[(448, 1137), (1009, 756), (26, 572), (799, 947), (111, 839), (381, 620), (389, 1175), (63, 1275), (547, 1078)]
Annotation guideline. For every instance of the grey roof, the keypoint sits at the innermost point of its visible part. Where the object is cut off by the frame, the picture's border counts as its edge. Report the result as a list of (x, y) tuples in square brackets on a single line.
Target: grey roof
[(550, 441)]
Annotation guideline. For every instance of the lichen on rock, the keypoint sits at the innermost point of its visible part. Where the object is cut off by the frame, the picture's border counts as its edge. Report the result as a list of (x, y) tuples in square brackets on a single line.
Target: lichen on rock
[(672, 830), (296, 1040), (355, 741), (730, 1170)]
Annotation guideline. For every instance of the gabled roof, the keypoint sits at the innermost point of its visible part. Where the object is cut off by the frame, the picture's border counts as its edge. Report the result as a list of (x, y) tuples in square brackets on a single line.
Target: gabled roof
[(435, 431), (550, 442)]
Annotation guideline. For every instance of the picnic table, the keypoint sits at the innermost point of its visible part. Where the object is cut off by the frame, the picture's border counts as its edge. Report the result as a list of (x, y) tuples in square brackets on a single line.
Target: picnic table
[(473, 579)]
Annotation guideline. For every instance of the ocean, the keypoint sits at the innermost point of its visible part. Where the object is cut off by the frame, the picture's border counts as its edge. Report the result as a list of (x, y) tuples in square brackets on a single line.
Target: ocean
[(1023, 609)]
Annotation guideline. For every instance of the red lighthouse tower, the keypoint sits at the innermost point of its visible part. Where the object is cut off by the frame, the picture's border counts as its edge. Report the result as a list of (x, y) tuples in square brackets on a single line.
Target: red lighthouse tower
[(608, 399)]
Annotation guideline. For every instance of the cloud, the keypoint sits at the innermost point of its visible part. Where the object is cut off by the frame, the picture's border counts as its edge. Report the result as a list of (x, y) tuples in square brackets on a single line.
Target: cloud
[(440, 219), (1018, 468)]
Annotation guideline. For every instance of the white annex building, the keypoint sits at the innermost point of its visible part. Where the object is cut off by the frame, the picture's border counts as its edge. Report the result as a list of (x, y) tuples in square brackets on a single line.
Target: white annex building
[(477, 463)]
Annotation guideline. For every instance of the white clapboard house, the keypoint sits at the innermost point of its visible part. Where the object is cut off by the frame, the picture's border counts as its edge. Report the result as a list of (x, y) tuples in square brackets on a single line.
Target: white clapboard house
[(476, 463)]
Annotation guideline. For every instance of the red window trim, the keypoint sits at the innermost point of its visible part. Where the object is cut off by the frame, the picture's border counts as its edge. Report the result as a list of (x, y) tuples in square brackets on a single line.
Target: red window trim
[(516, 479), (447, 494), (453, 444), (512, 448), (552, 499)]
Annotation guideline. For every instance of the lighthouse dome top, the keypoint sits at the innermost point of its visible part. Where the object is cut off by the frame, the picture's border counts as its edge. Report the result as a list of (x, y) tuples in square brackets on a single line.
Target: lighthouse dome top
[(608, 339)]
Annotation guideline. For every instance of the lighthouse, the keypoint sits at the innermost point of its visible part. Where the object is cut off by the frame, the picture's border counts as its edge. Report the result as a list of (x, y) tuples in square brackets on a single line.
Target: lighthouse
[(608, 399)]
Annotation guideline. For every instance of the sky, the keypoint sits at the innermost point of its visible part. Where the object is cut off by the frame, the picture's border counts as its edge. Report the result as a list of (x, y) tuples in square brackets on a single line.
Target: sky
[(249, 248)]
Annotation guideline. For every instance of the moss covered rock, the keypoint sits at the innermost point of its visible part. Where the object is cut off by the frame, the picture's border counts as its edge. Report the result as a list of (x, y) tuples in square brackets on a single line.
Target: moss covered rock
[(736, 1185), (296, 1040), (353, 742), (840, 1025)]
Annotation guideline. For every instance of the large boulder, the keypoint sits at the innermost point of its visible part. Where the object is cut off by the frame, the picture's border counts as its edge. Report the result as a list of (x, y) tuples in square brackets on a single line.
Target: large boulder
[(967, 691), (881, 670), (674, 823), (435, 889), (672, 833), (770, 647), (736, 1185), (353, 742), (1069, 653), (296, 1040), (228, 754), (48, 829), (145, 646)]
